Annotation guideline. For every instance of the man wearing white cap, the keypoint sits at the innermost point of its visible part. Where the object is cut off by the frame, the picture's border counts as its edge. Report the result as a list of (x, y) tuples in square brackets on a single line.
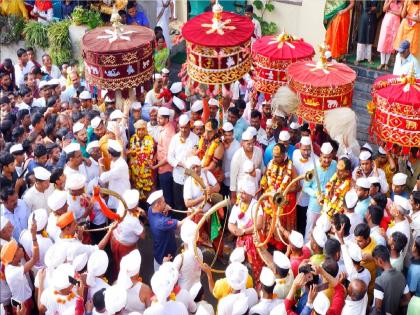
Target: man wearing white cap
[(350, 202), (59, 298), (268, 299), (117, 177), (163, 167), (326, 168), (152, 97), (139, 294), (363, 198), (180, 147), (86, 100), (75, 161), (96, 268), (284, 275), (236, 275), (162, 227), (80, 137), (77, 200), (367, 168), (135, 115), (40, 217), (241, 223), (197, 111), (399, 182), (231, 146), (36, 197), (165, 77), (400, 211), (352, 258), (248, 151), (317, 243), (57, 205), (162, 287), (129, 230), (94, 153), (303, 162), (198, 128), (186, 263)]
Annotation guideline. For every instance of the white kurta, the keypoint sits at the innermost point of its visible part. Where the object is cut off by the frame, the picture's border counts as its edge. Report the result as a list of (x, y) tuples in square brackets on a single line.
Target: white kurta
[(52, 229), (189, 268), (35, 199), (179, 152), (43, 242), (118, 180), (170, 307), (237, 172), (225, 306), (301, 168), (227, 160), (128, 231), (193, 190), (264, 306), (49, 300)]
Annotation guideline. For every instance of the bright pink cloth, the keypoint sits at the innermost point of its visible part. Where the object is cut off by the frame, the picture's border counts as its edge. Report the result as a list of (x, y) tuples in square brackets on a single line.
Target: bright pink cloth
[(164, 139), (389, 29)]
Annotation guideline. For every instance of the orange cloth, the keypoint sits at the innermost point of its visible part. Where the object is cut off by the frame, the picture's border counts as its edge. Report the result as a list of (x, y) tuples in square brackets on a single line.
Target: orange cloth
[(337, 35), (65, 219), (8, 252), (103, 146), (409, 30), (119, 250)]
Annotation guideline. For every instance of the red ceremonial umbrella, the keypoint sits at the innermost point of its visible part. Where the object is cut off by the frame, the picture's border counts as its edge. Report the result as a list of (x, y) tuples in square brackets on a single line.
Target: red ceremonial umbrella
[(272, 55), (218, 46), (395, 110), (118, 58), (320, 86)]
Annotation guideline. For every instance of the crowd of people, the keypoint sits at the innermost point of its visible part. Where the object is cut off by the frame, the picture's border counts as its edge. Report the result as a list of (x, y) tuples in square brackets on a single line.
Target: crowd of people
[(86, 180)]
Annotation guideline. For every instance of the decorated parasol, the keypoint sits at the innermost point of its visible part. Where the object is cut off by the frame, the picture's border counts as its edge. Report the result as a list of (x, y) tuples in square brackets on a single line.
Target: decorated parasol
[(118, 58), (272, 55), (218, 49), (320, 87), (395, 110)]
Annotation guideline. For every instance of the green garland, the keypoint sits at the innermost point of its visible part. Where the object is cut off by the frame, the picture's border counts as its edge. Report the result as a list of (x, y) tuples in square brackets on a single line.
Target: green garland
[(90, 18)]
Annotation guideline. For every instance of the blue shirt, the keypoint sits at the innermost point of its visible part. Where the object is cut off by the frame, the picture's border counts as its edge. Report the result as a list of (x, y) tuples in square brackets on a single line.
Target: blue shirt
[(404, 194), (18, 218), (361, 207), (413, 277), (311, 187), (268, 153), (163, 234), (240, 126), (140, 19)]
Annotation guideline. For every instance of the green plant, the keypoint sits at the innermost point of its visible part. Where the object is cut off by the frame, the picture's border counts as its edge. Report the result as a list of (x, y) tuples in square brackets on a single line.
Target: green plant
[(81, 16), (267, 28), (36, 34), (59, 41), (11, 28)]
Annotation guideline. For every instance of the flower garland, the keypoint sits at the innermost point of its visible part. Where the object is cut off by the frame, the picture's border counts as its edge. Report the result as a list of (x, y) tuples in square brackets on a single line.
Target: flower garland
[(243, 207), (67, 298), (335, 190), (277, 178), (44, 233), (206, 152), (141, 155)]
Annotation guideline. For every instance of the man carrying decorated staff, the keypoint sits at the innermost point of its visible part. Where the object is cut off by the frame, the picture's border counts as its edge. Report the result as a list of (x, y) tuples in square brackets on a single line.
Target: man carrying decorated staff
[(241, 224), (194, 198), (280, 172)]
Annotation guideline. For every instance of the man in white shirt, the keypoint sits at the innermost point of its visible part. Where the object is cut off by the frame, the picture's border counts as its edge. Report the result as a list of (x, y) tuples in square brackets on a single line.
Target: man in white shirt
[(152, 97), (153, 128), (256, 123), (75, 162), (23, 67), (117, 177), (303, 162), (268, 300), (180, 148), (36, 197), (48, 67), (231, 146), (405, 61), (248, 151)]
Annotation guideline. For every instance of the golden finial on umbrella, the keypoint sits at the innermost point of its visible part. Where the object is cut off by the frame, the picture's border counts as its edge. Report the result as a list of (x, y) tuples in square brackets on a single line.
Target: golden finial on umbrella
[(218, 25)]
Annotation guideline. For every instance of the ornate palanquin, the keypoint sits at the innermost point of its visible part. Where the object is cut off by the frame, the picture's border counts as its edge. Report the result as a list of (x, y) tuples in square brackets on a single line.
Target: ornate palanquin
[(320, 87), (395, 110), (271, 55)]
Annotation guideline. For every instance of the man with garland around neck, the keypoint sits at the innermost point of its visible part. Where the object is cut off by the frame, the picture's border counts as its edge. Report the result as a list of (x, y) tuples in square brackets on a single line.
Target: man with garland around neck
[(279, 174), (332, 200)]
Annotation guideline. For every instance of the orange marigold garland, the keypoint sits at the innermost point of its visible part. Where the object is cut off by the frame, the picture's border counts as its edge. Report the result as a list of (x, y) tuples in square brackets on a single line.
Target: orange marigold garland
[(335, 190)]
